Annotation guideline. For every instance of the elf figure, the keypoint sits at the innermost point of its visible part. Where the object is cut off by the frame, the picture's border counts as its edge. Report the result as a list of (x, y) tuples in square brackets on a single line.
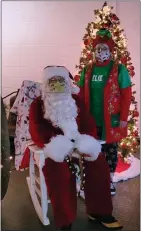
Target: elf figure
[(105, 86)]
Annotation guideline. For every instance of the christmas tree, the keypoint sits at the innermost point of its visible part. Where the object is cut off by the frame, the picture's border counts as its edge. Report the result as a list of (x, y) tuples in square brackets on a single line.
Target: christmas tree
[(105, 18)]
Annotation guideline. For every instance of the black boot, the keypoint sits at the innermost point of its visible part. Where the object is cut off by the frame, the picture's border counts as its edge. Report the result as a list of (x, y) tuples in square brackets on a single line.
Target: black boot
[(109, 222), (65, 228)]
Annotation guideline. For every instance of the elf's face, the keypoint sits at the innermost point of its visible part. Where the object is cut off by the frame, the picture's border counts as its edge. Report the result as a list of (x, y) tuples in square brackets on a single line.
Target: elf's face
[(102, 52), (56, 84)]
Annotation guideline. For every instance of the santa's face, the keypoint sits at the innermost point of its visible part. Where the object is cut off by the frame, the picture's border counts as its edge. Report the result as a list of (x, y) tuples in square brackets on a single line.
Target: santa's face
[(56, 84), (102, 52), (59, 106)]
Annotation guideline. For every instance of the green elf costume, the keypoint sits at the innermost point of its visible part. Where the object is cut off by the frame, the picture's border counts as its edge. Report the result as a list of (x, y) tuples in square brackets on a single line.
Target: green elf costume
[(105, 86)]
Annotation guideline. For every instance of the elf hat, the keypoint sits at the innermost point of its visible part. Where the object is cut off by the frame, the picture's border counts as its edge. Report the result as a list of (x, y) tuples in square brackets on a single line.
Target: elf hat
[(104, 36)]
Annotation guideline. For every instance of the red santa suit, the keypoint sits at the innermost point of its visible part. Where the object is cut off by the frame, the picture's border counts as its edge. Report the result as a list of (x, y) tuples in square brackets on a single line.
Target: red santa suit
[(60, 123)]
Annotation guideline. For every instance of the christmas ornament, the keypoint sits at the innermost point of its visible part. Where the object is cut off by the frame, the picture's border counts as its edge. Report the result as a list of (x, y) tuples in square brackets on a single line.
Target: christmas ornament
[(114, 18), (87, 42), (76, 78), (124, 60), (132, 73), (123, 146), (89, 56), (131, 68), (136, 133), (134, 143), (135, 113)]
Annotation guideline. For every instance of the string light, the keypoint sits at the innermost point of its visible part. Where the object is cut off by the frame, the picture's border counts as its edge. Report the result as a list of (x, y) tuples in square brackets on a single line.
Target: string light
[(9, 158), (98, 19)]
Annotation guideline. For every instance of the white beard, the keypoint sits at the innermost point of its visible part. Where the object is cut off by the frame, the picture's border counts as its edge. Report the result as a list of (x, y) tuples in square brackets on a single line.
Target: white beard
[(61, 110)]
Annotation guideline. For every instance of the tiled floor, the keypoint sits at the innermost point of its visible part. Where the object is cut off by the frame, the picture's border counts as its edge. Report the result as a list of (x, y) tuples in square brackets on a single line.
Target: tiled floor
[(18, 212)]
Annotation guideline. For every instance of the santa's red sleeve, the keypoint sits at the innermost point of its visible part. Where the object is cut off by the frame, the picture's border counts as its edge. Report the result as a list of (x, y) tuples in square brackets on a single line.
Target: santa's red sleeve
[(40, 129), (86, 123)]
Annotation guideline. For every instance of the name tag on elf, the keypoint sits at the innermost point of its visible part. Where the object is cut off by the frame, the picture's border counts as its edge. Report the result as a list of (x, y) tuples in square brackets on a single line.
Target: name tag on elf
[(97, 78)]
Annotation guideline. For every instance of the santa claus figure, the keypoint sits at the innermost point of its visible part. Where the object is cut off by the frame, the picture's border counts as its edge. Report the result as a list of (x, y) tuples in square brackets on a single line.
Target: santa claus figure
[(60, 124)]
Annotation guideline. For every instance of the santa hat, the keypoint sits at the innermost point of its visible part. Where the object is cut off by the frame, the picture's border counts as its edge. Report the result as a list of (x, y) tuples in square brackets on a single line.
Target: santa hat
[(104, 36), (52, 71)]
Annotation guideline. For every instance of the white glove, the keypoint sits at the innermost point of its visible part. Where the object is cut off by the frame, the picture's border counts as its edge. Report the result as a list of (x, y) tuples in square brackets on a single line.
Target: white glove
[(58, 148), (86, 144)]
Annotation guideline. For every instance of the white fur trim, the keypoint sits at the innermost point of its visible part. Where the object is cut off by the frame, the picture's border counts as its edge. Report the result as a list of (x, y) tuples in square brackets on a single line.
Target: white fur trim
[(50, 72), (111, 175), (58, 148), (59, 108), (131, 172), (75, 90), (86, 144), (69, 128)]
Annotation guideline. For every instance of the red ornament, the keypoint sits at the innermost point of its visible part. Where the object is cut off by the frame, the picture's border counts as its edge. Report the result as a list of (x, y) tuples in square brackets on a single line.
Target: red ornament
[(132, 73), (134, 143), (136, 133), (87, 42), (131, 68), (104, 25), (135, 113), (89, 56), (107, 25), (114, 17), (124, 146), (124, 60), (76, 78)]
